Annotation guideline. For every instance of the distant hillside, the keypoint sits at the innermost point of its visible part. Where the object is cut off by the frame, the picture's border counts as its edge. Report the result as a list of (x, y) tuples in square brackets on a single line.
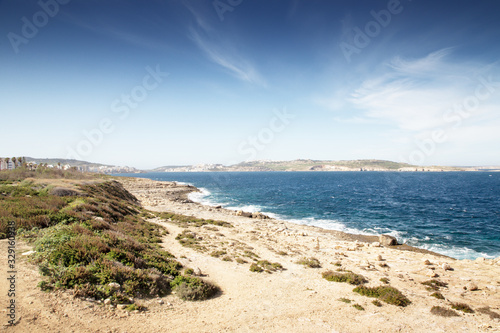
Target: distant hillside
[(310, 165)]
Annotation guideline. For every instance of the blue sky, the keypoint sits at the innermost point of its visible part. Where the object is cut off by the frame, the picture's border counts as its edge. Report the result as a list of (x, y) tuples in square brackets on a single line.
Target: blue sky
[(151, 83)]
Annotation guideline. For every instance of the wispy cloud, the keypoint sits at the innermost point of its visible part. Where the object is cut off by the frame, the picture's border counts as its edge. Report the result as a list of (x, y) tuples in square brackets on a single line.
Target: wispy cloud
[(415, 94), (218, 51)]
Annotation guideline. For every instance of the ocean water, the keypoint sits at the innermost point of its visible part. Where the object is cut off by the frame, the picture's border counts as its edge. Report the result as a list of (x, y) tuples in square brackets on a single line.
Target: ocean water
[(452, 213)]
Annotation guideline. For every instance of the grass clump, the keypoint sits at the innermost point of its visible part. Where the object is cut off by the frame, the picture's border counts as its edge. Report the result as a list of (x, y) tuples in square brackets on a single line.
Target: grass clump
[(241, 261), (345, 300), (377, 303), (191, 221), (384, 280), (282, 253), (193, 288), (443, 312), (265, 266), (387, 294), (309, 262), (486, 310), (347, 277), (437, 295), (256, 268), (218, 253), (434, 284), (462, 307), (358, 307), (188, 239)]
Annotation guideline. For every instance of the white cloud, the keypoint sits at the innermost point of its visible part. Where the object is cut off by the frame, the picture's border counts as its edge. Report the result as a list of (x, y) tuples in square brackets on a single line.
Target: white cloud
[(416, 94), (230, 61), (220, 53)]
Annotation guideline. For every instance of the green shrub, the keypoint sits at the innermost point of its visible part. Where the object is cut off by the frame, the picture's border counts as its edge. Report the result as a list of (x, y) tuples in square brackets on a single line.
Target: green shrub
[(193, 288), (486, 310), (256, 268), (443, 312), (462, 307), (386, 294), (345, 300), (309, 262), (358, 307), (437, 295), (434, 284), (348, 277), (377, 303), (384, 280)]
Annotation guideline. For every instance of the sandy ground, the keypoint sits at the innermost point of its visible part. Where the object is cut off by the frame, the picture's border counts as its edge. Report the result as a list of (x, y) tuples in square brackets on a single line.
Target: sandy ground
[(296, 299)]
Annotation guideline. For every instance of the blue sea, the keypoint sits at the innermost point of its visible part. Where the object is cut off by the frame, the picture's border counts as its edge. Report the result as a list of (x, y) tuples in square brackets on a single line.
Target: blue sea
[(453, 213)]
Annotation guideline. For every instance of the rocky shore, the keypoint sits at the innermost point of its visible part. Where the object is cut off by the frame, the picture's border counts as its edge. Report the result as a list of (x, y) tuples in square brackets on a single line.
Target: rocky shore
[(298, 296), (276, 276)]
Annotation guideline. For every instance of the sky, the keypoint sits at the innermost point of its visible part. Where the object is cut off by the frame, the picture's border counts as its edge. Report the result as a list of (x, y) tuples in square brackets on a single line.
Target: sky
[(153, 83)]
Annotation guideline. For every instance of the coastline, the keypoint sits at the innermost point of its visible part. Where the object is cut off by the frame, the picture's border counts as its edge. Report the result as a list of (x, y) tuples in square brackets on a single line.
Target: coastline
[(299, 294), (179, 193)]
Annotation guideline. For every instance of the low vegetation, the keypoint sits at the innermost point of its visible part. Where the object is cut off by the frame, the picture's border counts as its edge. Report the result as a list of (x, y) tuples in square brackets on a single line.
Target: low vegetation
[(265, 266), (344, 276), (387, 294), (309, 262), (443, 312), (90, 237), (437, 295), (191, 221), (358, 307), (487, 311), (462, 307), (345, 300), (434, 284)]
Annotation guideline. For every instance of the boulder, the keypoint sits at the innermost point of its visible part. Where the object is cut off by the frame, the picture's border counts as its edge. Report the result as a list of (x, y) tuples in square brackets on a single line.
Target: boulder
[(259, 215), (242, 213), (387, 240)]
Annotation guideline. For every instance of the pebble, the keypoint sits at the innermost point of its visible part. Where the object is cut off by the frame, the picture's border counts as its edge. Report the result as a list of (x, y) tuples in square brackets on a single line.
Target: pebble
[(376, 244), (427, 262), (379, 258), (446, 267), (160, 302)]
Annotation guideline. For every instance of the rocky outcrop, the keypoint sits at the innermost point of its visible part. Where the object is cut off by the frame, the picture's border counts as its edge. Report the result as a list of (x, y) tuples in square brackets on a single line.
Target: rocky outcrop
[(387, 240)]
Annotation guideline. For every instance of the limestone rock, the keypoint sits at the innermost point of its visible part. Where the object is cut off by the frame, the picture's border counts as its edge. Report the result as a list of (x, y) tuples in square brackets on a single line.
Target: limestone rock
[(121, 306), (427, 262), (376, 244), (387, 240), (379, 258), (259, 215), (197, 271), (446, 267), (242, 213), (471, 286), (107, 301), (114, 285)]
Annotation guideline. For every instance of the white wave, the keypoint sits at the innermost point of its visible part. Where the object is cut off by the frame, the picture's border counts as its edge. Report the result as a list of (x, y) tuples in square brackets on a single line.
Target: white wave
[(332, 225), (183, 183), (247, 208), (456, 251), (201, 197)]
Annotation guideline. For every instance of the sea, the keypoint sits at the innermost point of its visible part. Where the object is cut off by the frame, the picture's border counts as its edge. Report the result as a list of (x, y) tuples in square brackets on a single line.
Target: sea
[(452, 213)]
